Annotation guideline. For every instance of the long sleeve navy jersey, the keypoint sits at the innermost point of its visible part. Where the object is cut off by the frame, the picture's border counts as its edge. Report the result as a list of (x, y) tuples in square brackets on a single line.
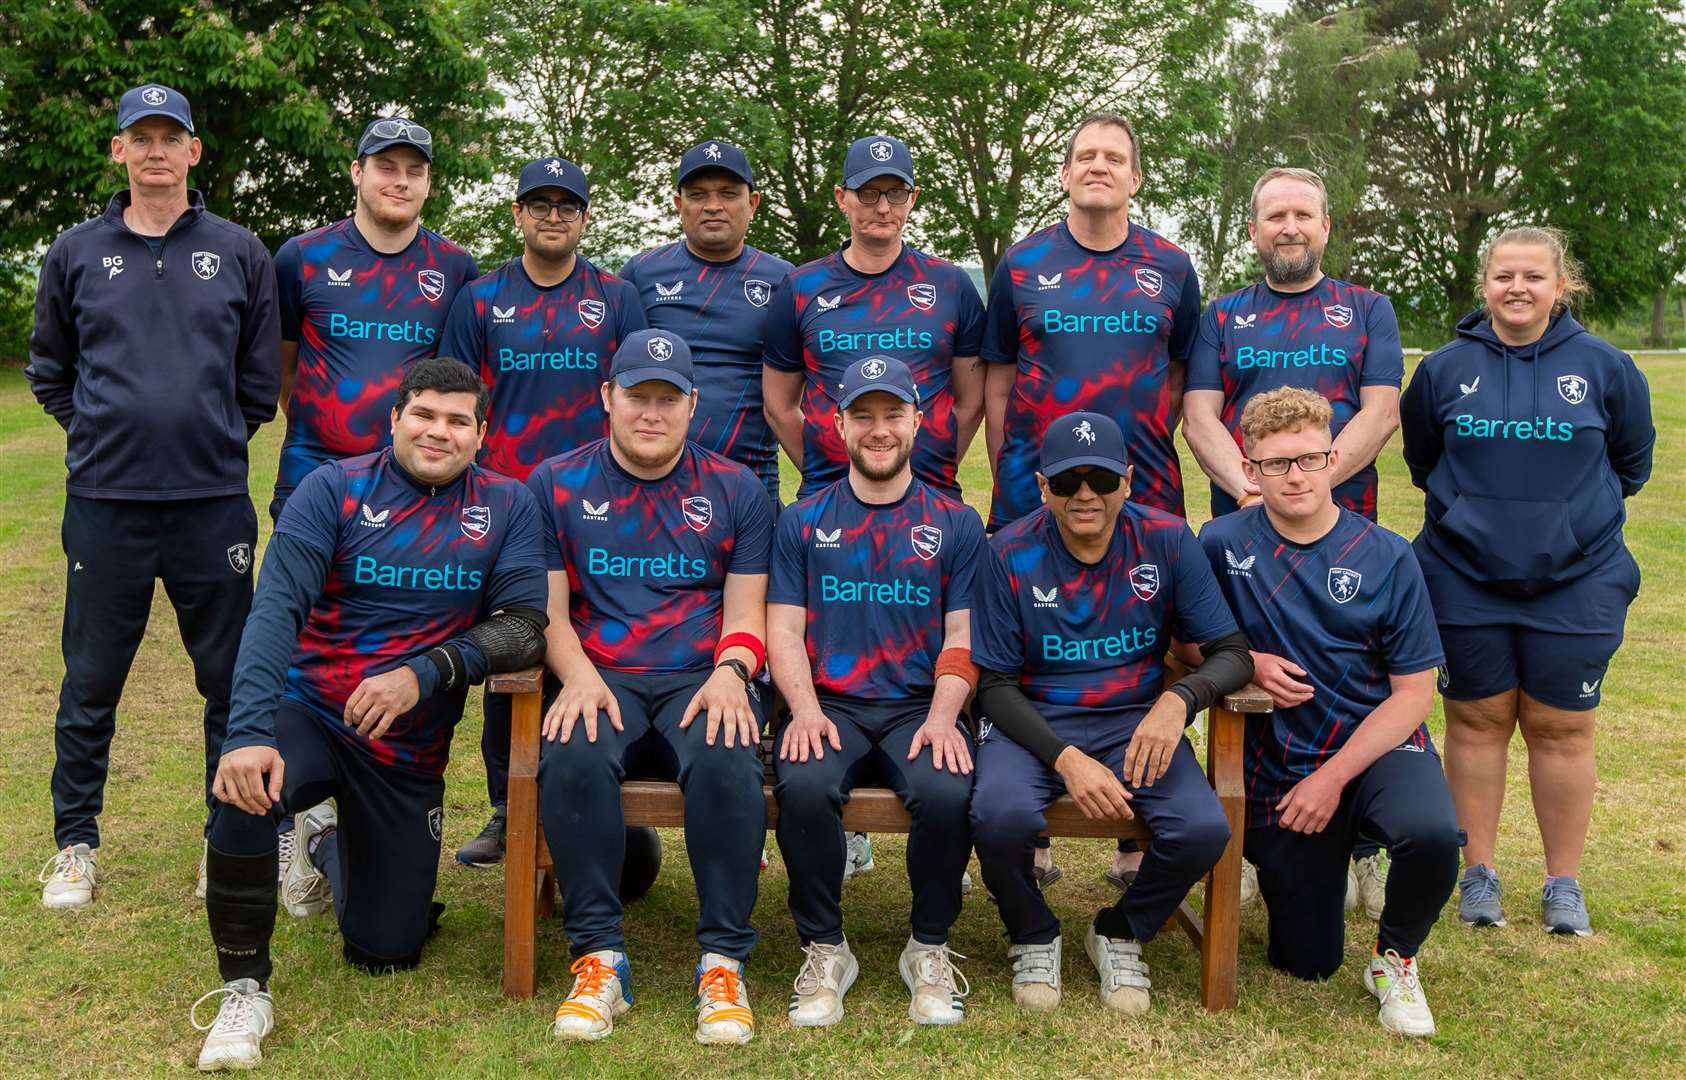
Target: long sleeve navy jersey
[(159, 366)]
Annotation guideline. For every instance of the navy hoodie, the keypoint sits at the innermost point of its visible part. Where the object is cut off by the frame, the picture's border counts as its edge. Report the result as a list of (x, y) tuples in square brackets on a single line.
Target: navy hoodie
[(159, 367), (1526, 455)]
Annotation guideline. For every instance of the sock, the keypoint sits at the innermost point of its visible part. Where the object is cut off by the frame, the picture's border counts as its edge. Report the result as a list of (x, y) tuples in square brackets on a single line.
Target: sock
[(1111, 922), (240, 905)]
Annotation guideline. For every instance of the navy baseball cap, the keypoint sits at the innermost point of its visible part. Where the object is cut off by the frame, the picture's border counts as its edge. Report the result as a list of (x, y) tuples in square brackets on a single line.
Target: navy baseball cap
[(556, 172), (878, 374), (390, 131), (153, 100), (1083, 438), (652, 354), (875, 156), (714, 154)]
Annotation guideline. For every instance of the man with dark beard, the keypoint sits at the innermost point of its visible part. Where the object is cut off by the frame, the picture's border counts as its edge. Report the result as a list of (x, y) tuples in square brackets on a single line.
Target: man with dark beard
[(869, 636)]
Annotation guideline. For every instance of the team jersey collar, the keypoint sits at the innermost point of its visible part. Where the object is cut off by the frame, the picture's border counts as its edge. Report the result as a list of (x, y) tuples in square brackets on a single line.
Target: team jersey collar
[(363, 241), (1055, 541), (121, 201), (713, 264), (902, 258), (520, 267), (1128, 242), (616, 469), (451, 487), (849, 493), (1321, 285), (1268, 527)]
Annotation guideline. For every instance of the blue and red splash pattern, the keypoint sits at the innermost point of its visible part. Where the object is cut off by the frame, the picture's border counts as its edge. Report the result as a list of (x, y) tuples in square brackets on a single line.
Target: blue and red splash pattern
[(361, 318), (1334, 338), (877, 581), (410, 568), (647, 559), (924, 311), (1095, 331), (719, 308), (1089, 641), (1350, 608), (543, 354)]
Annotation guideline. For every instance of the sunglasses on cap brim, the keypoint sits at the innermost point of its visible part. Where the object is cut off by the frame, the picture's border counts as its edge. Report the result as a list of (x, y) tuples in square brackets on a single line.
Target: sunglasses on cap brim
[(1100, 481)]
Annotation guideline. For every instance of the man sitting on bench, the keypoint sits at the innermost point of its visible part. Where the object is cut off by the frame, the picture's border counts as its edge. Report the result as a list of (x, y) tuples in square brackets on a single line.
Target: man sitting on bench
[(870, 634), (657, 551), (1077, 605)]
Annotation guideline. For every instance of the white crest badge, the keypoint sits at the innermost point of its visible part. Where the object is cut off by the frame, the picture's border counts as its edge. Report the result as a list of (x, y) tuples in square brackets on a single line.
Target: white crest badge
[(927, 541), (476, 522), (592, 312), (1150, 280), (660, 349), (436, 821), (698, 512), (923, 295), (1571, 388), (757, 292), (1085, 431), (1343, 583), (240, 557), (882, 151), (1338, 315), (873, 368), (1144, 580), (206, 264), (432, 284), (154, 95)]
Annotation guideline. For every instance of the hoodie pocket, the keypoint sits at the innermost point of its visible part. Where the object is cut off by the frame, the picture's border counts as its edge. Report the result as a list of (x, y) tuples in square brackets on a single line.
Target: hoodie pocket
[(1515, 544)]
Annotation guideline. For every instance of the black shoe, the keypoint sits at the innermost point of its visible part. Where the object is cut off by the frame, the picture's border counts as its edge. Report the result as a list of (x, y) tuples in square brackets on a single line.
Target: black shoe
[(487, 848)]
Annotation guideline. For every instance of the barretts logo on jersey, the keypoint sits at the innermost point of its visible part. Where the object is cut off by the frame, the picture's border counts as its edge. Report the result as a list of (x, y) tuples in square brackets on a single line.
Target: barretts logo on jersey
[(1085, 431), (1571, 388), (1343, 583), (669, 292), (757, 292), (503, 315), (660, 349), (476, 522), (592, 312), (206, 264), (712, 151), (1239, 567), (829, 305), (823, 539), (698, 512), (1049, 598), (923, 295), (372, 520), (1144, 580), (597, 512), (1469, 388), (927, 541), (1246, 322), (1045, 282), (154, 95), (339, 278), (113, 265), (1338, 316), (1151, 281), (882, 151), (554, 167), (240, 557), (432, 284)]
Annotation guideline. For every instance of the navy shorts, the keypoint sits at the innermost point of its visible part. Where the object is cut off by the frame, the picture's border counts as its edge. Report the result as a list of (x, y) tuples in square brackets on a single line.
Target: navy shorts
[(1564, 671)]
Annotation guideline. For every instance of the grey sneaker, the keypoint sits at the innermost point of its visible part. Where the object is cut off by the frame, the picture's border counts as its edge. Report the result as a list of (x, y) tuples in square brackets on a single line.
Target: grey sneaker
[(1371, 873), (1563, 907), (1478, 897), (286, 847), (234, 1040), (857, 856), (487, 848), (1036, 976)]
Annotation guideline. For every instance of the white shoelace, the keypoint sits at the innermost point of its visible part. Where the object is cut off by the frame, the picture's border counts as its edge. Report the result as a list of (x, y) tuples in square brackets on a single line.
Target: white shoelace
[(307, 887), (1128, 967), (812, 974), (234, 1015), (1402, 982), (69, 864), (1035, 965), (936, 967), (288, 846)]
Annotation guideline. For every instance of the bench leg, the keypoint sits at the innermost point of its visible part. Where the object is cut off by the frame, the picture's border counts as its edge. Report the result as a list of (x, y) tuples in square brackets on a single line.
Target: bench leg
[(1221, 942), (520, 882)]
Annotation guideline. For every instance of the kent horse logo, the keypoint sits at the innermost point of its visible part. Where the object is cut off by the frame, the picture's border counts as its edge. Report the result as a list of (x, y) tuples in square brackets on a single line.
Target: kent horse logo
[(698, 512), (927, 541), (592, 312), (757, 292), (432, 284), (1343, 583), (206, 264), (923, 296), (1571, 388), (660, 349), (1144, 580), (873, 369), (476, 522), (240, 557)]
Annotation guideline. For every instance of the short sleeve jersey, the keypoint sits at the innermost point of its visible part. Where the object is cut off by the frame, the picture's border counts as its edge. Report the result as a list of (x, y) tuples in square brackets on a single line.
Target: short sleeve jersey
[(409, 567), (647, 559), (543, 354), (1334, 338), (719, 309), (361, 318), (1095, 331), (877, 581), (1088, 641), (924, 311), (1350, 608)]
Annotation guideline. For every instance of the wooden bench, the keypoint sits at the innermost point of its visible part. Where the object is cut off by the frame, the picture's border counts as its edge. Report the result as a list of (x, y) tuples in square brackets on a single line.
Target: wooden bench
[(530, 881)]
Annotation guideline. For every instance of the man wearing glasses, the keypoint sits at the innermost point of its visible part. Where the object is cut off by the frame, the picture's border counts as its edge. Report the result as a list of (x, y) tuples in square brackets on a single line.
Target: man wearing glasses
[(713, 290), (875, 296), (540, 330), (1077, 606), (1341, 602)]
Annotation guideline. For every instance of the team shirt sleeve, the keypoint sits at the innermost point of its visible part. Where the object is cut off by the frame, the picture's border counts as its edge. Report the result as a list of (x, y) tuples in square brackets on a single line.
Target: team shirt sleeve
[(1631, 434), (292, 579), (289, 289), (1205, 355), (540, 484), (969, 325), (464, 337), (518, 577), (312, 511), (960, 590), (753, 544), (1410, 639), (787, 582), (997, 636), (781, 346), (1201, 615), (1384, 355), (257, 359), (1187, 316), (53, 344), (1000, 339)]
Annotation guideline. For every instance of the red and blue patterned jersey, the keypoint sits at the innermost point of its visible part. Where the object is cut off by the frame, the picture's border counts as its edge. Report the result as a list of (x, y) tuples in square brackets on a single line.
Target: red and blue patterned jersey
[(361, 318), (1089, 641), (410, 566), (924, 311), (1334, 338), (877, 581), (543, 354), (647, 559), (719, 309), (1096, 331), (1350, 608)]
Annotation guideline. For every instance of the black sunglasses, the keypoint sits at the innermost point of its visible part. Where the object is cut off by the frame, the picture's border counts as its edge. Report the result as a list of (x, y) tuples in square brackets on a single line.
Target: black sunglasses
[(1100, 481)]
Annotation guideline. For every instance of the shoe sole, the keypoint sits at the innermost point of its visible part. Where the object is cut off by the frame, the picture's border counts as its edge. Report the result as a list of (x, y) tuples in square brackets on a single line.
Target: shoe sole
[(66, 905), (480, 864), (615, 1013), (1122, 882), (734, 1040), (1481, 921), (233, 1064), (1568, 931), (850, 974), (1050, 879)]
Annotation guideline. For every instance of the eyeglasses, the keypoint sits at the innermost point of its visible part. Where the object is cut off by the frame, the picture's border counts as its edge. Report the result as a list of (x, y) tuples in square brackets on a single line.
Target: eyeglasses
[(540, 209), (1100, 481), (896, 195), (396, 129), (1316, 461)]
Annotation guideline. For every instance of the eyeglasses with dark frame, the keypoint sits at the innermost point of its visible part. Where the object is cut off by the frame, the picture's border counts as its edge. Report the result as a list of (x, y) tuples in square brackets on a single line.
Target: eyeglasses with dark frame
[(1068, 483), (540, 209), (898, 196), (1316, 461)]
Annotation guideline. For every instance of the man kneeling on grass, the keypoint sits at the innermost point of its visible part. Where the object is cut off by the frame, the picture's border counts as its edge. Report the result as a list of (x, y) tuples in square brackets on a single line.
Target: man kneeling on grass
[(1346, 646), (393, 582)]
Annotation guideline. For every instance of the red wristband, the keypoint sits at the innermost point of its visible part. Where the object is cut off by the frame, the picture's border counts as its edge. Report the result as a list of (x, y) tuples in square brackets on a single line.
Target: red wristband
[(747, 641), (957, 662)]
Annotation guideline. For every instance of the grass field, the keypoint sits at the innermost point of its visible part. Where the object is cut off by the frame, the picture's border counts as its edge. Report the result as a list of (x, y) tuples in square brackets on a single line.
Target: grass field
[(105, 992)]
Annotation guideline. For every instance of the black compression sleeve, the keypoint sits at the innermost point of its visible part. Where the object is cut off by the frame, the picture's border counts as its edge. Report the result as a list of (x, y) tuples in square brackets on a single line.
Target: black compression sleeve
[(1003, 704), (511, 639), (1225, 667)]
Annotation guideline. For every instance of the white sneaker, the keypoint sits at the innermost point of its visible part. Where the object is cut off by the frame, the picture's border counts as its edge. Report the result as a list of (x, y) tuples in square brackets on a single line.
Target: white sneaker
[(965, 883), (288, 847), (1249, 882), (304, 889), (1123, 972), (723, 1014), (1393, 979), (1372, 883), (1351, 886), (68, 878), (937, 987), (1036, 976), (857, 856), (602, 991), (199, 887), (236, 1035), (826, 974)]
